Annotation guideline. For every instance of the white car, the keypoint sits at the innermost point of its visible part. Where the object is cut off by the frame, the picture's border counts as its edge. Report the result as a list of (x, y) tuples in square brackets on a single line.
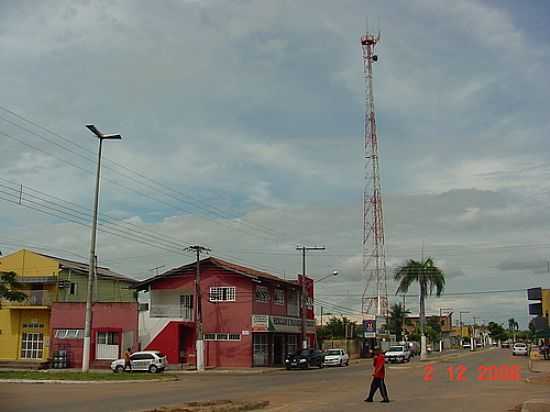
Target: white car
[(151, 361), (399, 353), (336, 357), (519, 349), (466, 345)]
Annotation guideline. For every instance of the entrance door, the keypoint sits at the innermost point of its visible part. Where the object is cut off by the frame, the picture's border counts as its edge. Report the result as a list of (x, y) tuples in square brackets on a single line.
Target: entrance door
[(32, 345), (278, 349), (261, 354)]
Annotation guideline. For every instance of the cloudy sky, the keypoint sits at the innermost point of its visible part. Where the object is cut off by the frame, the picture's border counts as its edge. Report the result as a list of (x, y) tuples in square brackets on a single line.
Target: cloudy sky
[(242, 125)]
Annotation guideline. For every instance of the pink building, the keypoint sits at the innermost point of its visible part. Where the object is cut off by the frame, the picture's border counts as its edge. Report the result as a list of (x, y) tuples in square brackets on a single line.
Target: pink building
[(250, 318)]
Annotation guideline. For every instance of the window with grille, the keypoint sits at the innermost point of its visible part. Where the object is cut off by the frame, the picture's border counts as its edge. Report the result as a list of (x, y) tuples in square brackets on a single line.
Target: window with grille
[(262, 294), (222, 294), (222, 337), (106, 338), (279, 297)]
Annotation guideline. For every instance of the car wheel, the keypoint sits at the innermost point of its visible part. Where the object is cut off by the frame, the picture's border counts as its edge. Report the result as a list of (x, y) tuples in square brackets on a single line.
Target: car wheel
[(119, 369), (306, 366), (288, 368), (153, 369), (321, 364)]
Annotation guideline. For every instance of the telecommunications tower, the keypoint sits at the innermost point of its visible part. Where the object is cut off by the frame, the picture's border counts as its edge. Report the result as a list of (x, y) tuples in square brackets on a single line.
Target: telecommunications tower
[(375, 295)]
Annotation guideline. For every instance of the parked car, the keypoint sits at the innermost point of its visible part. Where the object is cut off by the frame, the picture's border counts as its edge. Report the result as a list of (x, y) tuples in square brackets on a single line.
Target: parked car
[(520, 349), (399, 353), (336, 357), (466, 345), (414, 348), (505, 344), (151, 361), (305, 358), (429, 348)]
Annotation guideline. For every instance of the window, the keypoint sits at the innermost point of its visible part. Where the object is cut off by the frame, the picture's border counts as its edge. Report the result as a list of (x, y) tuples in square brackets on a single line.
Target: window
[(142, 356), (222, 294), (291, 343), (292, 303), (279, 297), (72, 289), (223, 337), (262, 294), (69, 333), (186, 307), (106, 338), (32, 345)]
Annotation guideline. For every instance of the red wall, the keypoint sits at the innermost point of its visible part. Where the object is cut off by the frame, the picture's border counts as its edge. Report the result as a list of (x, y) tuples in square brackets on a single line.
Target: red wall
[(167, 341), (115, 317), (225, 317)]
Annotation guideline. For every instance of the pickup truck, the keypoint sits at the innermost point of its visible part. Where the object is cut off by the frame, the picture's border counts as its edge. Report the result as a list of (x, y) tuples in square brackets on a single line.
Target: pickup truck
[(398, 354)]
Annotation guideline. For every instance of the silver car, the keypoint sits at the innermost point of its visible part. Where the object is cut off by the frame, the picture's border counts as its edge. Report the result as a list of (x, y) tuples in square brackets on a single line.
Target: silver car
[(151, 361), (336, 357)]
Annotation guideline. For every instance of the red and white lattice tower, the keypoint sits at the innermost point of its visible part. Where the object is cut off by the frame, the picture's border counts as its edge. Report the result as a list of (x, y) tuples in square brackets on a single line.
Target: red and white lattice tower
[(375, 295)]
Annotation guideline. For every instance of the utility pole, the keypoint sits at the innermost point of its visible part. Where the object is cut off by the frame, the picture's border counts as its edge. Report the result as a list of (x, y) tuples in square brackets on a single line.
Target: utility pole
[(473, 339), (199, 332), (321, 316), (92, 262), (303, 289)]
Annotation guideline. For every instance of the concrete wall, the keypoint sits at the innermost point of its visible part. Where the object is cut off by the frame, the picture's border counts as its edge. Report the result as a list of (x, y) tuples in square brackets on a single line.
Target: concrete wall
[(352, 347)]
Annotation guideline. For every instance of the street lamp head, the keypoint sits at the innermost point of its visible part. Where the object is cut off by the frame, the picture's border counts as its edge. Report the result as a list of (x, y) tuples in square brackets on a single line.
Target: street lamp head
[(100, 135)]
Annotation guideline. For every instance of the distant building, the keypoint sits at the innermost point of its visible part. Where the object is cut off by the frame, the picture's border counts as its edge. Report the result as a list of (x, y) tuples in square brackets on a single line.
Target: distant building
[(540, 311), (52, 316), (250, 318)]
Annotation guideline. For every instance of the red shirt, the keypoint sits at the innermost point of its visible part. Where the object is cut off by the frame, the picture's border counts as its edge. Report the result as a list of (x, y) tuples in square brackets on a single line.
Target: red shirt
[(378, 363)]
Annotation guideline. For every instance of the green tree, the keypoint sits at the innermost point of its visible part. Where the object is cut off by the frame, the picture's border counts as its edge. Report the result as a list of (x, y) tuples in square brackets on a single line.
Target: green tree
[(398, 314), (335, 328), (8, 284), (427, 275), (497, 332)]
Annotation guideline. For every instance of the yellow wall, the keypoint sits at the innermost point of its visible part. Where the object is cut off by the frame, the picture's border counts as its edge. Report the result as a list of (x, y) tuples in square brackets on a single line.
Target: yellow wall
[(11, 324), (546, 304), (28, 263), (12, 318)]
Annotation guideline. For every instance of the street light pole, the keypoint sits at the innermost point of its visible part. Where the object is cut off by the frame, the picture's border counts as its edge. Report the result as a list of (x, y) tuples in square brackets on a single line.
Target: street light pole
[(303, 290), (92, 261)]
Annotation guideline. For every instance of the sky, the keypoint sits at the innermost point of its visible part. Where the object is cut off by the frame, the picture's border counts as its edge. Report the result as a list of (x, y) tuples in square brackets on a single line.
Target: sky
[(242, 131)]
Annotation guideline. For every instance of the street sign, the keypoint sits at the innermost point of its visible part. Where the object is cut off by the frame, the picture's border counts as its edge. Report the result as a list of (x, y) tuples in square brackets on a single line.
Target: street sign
[(369, 328)]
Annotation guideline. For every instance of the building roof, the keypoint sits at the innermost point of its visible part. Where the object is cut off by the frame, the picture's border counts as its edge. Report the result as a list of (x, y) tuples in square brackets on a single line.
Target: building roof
[(102, 272), (222, 264)]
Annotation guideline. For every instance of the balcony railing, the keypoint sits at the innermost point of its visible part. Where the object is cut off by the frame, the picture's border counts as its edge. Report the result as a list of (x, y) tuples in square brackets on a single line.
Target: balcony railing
[(33, 298), (170, 311)]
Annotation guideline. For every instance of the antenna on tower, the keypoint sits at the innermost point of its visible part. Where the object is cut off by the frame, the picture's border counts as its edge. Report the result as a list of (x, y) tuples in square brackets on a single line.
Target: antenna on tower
[(375, 295)]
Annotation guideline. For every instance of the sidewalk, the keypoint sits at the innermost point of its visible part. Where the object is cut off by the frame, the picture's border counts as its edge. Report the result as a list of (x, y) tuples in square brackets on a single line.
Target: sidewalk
[(539, 366)]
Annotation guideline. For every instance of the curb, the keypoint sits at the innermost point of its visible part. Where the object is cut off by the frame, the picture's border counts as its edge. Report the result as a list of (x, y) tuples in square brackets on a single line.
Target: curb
[(69, 382)]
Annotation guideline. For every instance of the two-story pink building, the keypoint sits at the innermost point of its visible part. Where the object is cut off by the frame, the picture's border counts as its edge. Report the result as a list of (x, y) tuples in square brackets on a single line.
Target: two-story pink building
[(250, 318)]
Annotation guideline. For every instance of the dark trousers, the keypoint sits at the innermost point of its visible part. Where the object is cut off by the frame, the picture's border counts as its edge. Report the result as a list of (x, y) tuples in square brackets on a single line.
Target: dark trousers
[(546, 357), (378, 383)]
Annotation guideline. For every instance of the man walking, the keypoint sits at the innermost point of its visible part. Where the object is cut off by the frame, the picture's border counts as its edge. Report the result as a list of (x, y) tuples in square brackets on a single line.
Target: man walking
[(378, 377), (127, 362)]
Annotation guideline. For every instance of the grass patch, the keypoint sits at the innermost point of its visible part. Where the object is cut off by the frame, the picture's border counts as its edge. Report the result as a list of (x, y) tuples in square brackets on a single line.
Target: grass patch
[(80, 376)]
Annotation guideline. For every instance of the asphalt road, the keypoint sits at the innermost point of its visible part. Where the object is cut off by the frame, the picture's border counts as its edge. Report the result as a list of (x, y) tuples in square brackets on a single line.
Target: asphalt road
[(329, 389)]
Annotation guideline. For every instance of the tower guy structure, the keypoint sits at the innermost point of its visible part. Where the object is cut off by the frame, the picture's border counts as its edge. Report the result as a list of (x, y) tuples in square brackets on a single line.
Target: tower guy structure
[(375, 295)]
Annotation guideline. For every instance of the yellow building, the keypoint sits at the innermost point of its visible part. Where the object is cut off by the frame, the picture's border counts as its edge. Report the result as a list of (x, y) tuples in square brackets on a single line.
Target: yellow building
[(24, 326), (52, 311)]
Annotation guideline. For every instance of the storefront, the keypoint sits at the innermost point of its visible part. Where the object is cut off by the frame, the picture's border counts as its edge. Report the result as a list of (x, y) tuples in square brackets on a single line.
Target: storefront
[(274, 337)]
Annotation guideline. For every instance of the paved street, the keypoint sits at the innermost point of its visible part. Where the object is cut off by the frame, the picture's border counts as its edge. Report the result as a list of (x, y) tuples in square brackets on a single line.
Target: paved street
[(330, 389)]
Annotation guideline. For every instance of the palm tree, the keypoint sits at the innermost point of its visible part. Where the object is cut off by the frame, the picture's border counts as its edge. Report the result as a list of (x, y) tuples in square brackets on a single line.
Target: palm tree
[(428, 276), (513, 327), (398, 314)]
